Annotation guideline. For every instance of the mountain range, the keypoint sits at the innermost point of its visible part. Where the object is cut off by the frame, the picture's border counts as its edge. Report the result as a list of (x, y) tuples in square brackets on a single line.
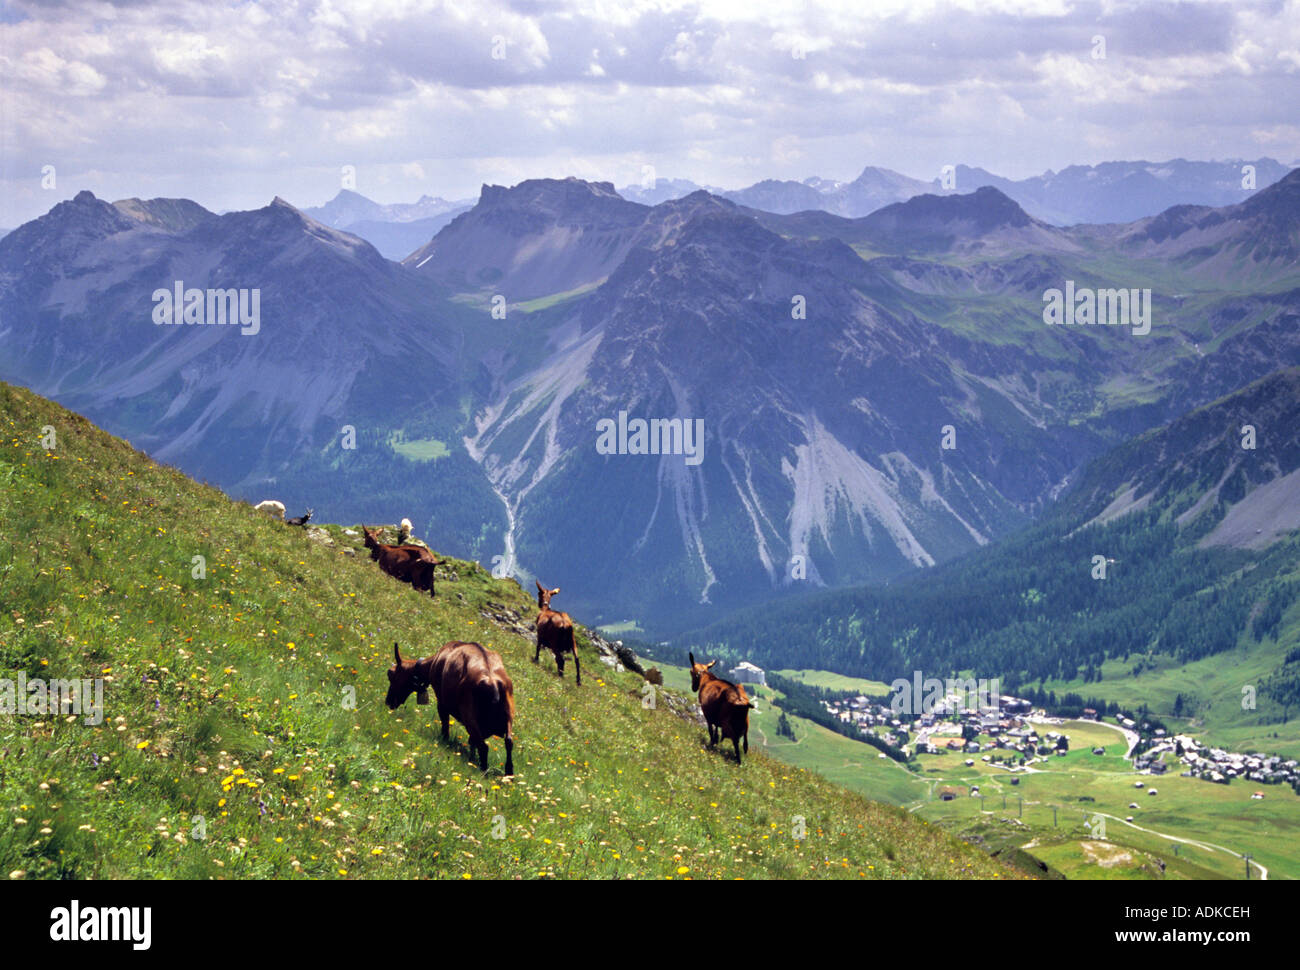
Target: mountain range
[(1105, 193), (1109, 192), (878, 393), (395, 230)]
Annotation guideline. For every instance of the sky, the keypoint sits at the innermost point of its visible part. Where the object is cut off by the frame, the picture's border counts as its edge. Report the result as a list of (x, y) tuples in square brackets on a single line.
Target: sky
[(234, 103)]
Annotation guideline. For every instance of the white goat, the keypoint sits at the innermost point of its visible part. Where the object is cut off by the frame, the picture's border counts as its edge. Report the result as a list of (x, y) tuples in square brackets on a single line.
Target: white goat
[(404, 531), (272, 507)]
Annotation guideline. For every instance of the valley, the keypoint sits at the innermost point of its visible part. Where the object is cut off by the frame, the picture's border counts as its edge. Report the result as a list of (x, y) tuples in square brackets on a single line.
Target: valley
[(1073, 814)]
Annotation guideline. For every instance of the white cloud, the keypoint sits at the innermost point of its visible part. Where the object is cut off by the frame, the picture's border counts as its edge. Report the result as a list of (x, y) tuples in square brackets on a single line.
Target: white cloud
[(233, 102)]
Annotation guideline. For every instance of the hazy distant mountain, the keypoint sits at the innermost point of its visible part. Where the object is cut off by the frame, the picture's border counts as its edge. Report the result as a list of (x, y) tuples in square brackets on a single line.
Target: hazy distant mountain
[(1125, 191), (773, 195), (1112, 192), (397, 240), (350, 207), (395, 230), (663, 190), (873, 189)]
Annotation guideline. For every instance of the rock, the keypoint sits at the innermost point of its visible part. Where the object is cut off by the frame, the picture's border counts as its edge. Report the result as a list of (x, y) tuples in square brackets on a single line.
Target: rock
[(507, 619), (621, 654)]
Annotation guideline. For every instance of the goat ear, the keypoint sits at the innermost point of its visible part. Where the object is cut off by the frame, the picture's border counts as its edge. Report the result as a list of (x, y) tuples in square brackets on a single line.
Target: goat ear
[(540, 588), (554, 591), (397, 653), (692, 656), (710, 666)]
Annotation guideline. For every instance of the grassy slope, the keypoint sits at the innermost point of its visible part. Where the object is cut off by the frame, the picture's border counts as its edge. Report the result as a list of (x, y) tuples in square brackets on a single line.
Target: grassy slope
[(225, 698)]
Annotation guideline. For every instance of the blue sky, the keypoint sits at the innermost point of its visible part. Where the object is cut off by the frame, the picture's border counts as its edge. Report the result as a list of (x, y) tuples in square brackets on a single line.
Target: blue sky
[(232, 103)]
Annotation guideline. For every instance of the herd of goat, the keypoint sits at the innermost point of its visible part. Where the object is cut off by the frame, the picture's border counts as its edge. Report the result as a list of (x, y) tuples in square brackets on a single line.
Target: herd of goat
[(470, 682)]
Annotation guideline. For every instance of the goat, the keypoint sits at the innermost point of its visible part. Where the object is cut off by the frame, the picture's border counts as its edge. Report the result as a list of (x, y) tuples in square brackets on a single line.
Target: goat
[(725, 705), (410, 564), (404, 532), (271, 507), (470, 684), (555, 632), (300, 520)]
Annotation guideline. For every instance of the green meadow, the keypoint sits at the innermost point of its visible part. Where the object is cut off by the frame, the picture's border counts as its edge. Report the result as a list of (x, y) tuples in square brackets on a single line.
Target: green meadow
[(244, 734)]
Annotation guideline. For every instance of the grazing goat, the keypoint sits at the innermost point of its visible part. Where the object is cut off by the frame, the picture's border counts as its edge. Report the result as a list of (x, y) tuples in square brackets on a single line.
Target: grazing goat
[(410, 564), (470, 684), (272, 507), (300, 520), (726, 706), (404, 531), (555, 632)]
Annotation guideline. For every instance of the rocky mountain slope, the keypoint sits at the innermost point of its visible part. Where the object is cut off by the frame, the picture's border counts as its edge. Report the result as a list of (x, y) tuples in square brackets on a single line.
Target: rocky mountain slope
[(876, 394)]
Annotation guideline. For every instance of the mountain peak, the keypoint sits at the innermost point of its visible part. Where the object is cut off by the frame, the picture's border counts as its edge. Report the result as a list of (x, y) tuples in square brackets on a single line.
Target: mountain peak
[(589, 226), (984, 210), (172, 215), (1285, 191), (560, 193)]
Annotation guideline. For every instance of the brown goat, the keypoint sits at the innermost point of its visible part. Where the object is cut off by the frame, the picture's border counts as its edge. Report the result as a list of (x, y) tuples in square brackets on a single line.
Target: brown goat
[(726, 706), (410, 564), (555, 632), (470, 684)]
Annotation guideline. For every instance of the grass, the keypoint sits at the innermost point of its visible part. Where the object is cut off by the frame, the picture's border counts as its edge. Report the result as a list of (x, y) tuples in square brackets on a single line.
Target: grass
[(832, 681), (245, 734), (423, 449), (620, 629), (555, 299)]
